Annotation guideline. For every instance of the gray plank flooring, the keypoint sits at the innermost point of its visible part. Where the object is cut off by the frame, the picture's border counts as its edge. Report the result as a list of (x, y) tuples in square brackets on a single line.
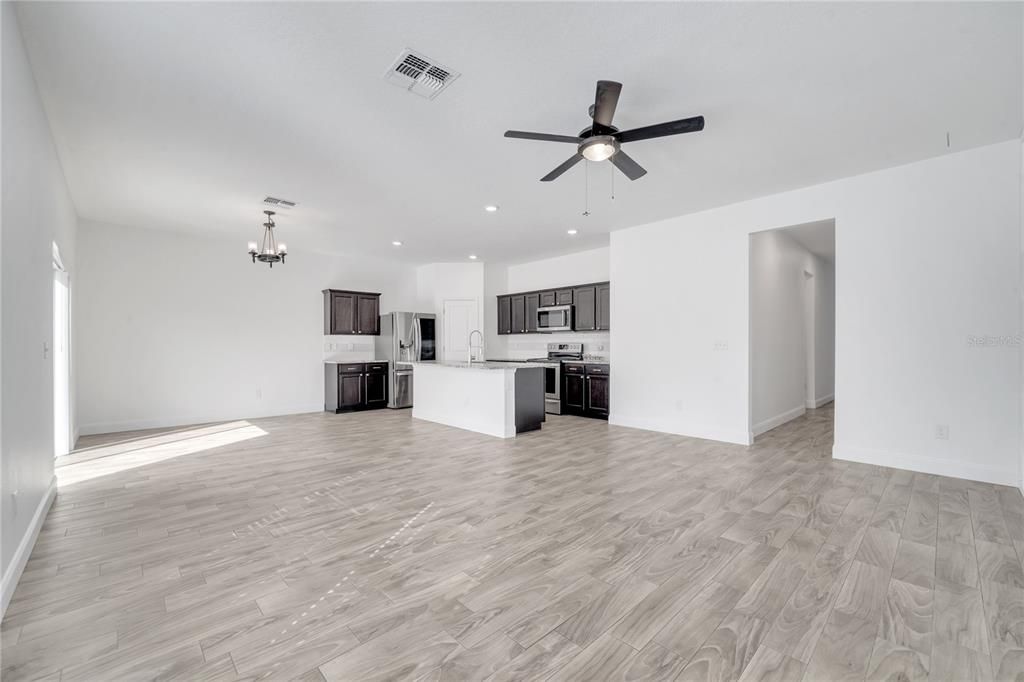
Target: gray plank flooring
[(372, 546)]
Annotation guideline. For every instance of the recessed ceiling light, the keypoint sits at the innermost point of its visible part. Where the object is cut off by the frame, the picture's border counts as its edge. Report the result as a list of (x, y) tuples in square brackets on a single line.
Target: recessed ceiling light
[(472, 256), (571, 231), (396, 243), (491, 209)]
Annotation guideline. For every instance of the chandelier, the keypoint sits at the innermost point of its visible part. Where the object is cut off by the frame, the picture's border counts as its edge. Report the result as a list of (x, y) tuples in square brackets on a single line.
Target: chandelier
[(270, 252)]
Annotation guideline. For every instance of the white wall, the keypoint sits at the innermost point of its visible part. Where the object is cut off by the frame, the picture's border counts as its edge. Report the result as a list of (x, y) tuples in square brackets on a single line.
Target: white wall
[(926, 258), (779, 343), (576, 268), (439, 282), (824, 331), (178, 329), (37, 210)]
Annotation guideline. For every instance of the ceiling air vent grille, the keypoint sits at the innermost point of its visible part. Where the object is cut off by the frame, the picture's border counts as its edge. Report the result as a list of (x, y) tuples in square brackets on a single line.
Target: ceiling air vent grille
[(280, 203), (419, 74)]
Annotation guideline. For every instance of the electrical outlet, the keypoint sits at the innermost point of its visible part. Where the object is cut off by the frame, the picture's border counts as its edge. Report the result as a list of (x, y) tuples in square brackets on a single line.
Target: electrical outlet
[(942, 431), (721, 344), (259, 393)]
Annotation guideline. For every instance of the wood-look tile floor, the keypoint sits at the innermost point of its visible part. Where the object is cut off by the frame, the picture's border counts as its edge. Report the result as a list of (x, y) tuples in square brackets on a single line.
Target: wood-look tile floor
[(372, 546)]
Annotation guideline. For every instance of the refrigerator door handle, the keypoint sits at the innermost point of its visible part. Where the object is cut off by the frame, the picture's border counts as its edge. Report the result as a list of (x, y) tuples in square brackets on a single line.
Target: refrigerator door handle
[(417, 349)]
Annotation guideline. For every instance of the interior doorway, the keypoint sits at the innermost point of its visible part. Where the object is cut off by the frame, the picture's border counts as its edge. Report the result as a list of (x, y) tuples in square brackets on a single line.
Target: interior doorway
[(62, 436), (792, 323), (461, 317)]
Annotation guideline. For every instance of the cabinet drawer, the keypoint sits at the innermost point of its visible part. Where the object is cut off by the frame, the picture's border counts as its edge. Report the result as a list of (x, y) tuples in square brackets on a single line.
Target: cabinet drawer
[(572, 369), (376, 367), (597, 369), (350, 369)]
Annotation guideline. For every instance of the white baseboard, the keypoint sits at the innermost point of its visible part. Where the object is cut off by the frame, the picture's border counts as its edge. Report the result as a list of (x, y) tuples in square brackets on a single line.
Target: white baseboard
[(691, 430), (777, 420), (28, 541), (824, 400), (190, 420), (926, 465)]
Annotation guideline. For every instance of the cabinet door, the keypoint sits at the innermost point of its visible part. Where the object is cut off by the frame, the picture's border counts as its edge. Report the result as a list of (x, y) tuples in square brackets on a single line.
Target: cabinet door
[(376, 392), (532, 303), (597, 396), (563, 297), (368, 318), (585, 302), (603, 313), (350, 391), (518, 314), (547, 298), (573, 395), (343, 313), (504, 315)]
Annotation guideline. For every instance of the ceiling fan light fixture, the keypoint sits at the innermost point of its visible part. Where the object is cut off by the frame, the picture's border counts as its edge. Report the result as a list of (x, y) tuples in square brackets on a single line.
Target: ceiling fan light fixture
[(599, 148)]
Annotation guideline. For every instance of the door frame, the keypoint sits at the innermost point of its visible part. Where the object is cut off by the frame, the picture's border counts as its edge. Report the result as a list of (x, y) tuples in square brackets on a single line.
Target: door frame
[(63, 434)]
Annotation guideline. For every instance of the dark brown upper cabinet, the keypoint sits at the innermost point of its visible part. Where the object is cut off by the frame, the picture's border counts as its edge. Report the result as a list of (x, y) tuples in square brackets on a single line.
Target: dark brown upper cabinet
[(584, 300), (351, 312), (532, 303), (604, 304), (517, 313), (504, 314), (368, 310)]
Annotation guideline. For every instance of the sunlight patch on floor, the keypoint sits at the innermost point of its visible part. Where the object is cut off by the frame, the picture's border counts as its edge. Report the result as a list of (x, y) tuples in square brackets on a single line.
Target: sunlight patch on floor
[(151, 451)]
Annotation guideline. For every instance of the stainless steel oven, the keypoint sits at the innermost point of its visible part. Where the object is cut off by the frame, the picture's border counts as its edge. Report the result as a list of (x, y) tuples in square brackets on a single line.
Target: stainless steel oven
[(557, 352), (554, 318)]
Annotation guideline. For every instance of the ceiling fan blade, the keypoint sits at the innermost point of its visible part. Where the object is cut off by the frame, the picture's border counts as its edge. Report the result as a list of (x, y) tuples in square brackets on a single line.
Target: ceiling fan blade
[(625, 163), (546, 137), (686, 125), (605, 101), (569, 163)]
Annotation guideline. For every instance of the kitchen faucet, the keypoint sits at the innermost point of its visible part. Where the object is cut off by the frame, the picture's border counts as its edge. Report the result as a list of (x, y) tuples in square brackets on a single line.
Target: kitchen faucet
[(469, 351)]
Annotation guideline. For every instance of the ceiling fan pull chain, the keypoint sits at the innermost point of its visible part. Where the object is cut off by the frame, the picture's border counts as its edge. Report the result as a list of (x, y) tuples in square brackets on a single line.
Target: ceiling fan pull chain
[(586, 190), (613, 184)]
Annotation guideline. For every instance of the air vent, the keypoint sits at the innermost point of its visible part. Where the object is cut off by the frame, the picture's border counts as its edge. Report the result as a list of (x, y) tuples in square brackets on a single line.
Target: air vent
[(280, 203), (419, 74)]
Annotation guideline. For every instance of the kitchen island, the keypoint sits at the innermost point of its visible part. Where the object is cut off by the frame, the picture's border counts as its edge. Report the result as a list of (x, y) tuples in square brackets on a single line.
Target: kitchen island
[(494, 398)]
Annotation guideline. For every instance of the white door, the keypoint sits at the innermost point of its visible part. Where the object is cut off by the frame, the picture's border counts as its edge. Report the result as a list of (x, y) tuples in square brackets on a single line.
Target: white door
[(460, 318), (61, 364)]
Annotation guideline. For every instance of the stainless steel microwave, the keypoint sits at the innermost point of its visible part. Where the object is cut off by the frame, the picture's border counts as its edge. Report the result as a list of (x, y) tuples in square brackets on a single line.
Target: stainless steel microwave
[(554, 318)]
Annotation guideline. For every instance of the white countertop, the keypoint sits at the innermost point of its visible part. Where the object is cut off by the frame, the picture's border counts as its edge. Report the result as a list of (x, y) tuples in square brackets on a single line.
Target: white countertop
[(477, 364), (353, 362)]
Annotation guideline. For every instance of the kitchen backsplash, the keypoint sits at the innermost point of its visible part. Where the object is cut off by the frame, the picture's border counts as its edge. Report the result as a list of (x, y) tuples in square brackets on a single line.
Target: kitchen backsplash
[(536, 345), (348, 348)]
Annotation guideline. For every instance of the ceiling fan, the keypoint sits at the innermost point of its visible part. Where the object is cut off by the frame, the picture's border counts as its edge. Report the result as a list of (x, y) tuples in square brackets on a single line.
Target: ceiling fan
[(602, 141)]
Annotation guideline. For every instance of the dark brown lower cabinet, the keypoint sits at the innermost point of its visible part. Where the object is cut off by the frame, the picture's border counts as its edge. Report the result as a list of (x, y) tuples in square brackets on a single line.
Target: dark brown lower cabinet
[(349, 387), (597, 396), (585, 390), (376, 386), (573, 395)]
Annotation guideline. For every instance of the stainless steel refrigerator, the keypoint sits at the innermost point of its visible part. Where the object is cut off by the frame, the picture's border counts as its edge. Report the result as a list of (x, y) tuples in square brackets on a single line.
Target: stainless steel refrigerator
[(405, 337)]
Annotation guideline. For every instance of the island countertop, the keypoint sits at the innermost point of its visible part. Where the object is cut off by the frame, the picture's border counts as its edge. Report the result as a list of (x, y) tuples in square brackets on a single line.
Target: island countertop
[(476, 364)]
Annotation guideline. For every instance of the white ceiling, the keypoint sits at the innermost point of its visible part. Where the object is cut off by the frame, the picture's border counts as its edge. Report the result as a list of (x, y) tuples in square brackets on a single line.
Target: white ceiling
[(184, 116)]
